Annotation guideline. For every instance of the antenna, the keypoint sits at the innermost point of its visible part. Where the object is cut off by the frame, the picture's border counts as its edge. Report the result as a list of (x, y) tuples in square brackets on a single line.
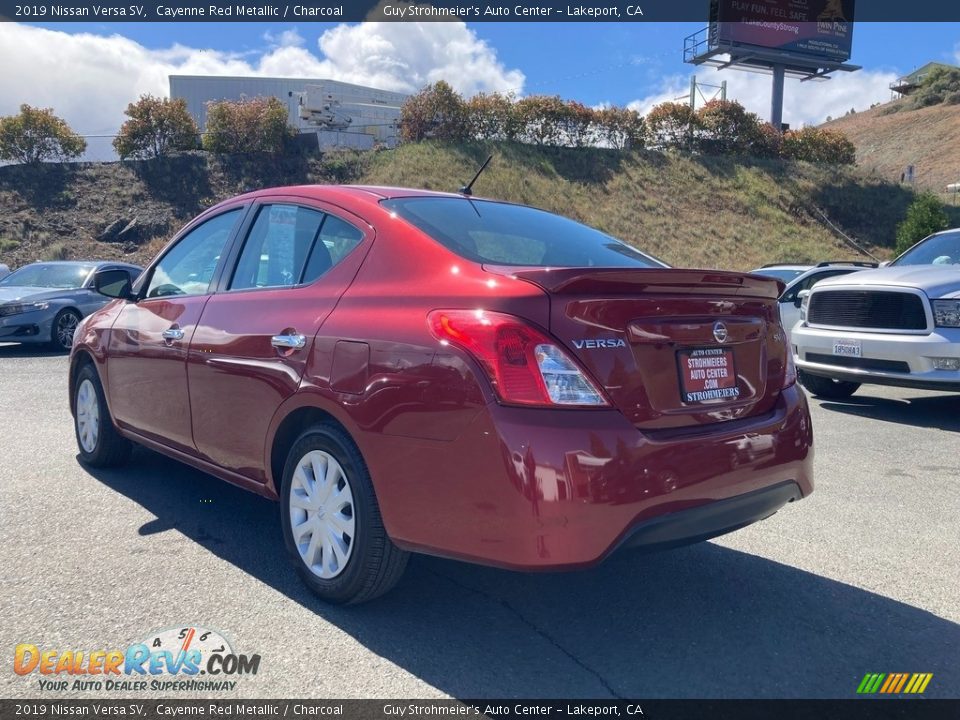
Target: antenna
[(468, 188)]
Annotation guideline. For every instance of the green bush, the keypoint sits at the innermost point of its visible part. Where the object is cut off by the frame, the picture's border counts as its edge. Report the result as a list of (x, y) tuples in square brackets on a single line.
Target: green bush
[(925, 216), (673, 125), (57, 251), (726, 128), (157, 126), (35, 135), (259, 125), (438, 112), (818, 145)]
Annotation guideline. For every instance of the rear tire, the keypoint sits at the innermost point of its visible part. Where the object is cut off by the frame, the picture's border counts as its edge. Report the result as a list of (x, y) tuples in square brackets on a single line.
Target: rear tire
[(828, 387), (331, 521), (99, 442), (62, 329)]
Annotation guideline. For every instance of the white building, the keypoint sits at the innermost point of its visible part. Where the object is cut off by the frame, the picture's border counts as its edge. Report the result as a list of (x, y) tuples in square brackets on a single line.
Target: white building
[(339, 114)]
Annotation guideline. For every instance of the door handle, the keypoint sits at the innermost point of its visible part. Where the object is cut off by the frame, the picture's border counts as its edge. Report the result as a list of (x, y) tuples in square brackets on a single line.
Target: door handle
[(172, 334), (295, 342)]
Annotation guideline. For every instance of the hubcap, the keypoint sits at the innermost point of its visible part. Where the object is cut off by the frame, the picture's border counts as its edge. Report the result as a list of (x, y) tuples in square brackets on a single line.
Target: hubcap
[(322, 514), (88, 416), (66, 326)]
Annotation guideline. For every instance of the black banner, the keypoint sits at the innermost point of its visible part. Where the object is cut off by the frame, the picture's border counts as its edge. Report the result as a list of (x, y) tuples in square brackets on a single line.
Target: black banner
[(268, 709), (435, 11)]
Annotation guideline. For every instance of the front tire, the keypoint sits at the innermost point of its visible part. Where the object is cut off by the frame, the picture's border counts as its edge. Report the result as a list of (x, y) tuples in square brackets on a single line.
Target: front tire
[(828, 388), (99, 442), (331, 521), (62, 329)]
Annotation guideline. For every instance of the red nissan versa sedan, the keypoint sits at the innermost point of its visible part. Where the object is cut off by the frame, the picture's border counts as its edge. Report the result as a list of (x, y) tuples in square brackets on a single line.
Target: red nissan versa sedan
[(409, 371)]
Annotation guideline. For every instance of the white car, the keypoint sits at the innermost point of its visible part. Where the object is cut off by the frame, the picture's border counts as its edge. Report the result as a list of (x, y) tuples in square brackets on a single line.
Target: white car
[(803, 277), (899, 325)]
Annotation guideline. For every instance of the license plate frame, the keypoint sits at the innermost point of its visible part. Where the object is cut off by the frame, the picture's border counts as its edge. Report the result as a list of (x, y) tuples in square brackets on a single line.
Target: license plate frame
[(848, 347), (713, 378)]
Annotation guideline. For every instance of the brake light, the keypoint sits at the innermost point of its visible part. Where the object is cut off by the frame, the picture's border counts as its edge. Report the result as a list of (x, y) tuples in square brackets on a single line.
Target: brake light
[(525, 366)]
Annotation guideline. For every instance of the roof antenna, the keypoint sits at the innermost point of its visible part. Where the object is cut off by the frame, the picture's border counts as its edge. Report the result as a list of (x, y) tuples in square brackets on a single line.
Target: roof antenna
[(468, 188)]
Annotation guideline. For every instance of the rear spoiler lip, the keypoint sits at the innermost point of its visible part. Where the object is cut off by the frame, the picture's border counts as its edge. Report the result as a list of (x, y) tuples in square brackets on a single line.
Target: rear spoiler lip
[(661, 281)]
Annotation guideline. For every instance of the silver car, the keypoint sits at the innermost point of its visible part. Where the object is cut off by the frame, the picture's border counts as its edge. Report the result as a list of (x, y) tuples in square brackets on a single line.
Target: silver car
[(44, 302)]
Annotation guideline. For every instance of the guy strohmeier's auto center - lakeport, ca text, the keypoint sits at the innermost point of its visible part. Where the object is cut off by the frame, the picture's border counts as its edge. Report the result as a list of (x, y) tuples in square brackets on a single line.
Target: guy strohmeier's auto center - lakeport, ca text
[(399, 12)]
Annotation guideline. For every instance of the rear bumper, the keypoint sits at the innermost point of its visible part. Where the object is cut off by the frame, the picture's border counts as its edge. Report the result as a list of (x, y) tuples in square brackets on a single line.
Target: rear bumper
[(561, 489)]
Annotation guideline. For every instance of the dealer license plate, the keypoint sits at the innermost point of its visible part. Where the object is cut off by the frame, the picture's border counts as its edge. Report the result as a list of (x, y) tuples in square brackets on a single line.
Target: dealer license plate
[(707, 374)]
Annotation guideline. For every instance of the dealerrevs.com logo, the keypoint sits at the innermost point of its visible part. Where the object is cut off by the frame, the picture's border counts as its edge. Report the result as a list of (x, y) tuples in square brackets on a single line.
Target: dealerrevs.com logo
[(185, 658)]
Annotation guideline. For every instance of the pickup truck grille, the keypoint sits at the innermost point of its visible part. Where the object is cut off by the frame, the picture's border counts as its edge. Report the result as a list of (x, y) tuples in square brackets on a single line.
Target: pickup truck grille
[(869, 309)]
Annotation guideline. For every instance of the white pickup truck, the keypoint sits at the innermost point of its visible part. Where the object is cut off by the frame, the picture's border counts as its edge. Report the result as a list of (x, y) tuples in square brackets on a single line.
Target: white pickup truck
[(898, 325)]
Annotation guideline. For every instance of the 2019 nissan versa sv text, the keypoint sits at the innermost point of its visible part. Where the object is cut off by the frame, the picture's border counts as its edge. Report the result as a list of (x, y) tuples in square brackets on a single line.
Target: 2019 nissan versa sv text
[(408, 371)]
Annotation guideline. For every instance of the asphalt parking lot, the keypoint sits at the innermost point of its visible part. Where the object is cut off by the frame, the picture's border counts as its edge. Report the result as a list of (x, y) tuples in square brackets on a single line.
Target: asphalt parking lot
[(863, 576)]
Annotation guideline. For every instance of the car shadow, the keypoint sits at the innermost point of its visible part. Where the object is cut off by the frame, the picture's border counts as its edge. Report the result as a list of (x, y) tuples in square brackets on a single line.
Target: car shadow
[(702, 621), (940, 411), (29, 350)]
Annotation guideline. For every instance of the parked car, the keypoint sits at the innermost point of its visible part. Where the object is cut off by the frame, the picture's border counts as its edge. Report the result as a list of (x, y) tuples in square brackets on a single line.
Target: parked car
[(784, 273), (408, 371), (899, 325), (43, 302), (790, 297)]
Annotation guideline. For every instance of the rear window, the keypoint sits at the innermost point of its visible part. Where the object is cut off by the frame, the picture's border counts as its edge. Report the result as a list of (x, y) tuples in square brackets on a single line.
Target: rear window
[(502, 234)]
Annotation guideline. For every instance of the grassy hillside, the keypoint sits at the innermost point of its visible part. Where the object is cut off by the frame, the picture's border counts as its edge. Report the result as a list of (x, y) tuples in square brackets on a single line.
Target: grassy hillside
[(887, 142), (695, 211)]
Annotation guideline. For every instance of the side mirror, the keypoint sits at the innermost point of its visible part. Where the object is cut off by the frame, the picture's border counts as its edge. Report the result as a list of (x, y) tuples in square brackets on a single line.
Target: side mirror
[(884, 263), (112, 283), (800, 296)]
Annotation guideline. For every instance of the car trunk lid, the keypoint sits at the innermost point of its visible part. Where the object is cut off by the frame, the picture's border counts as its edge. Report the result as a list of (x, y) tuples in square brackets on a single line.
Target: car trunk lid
[(672, 348)]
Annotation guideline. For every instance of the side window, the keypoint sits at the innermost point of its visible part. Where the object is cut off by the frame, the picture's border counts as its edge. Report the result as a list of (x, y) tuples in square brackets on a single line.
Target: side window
[(188, 267), (337, 239), (277, 247)]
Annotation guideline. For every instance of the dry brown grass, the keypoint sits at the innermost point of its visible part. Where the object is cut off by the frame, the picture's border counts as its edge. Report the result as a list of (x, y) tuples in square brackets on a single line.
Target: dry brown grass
[(928, 138)]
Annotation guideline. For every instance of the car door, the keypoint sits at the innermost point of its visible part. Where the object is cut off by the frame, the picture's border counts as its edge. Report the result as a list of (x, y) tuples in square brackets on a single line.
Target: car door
[(251, 346), (147, 347)]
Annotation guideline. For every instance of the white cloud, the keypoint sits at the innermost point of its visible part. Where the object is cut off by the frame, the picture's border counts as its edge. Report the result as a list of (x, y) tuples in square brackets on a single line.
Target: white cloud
[(89, 79), (805, 103)]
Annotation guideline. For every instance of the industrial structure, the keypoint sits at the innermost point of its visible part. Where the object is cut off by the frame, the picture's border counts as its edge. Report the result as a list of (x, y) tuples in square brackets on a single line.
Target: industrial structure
[(338, 114), (785, 38)]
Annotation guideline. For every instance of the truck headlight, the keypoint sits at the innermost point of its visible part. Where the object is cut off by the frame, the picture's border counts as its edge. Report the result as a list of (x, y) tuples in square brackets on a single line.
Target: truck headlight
[(946, 313), (804, 304)]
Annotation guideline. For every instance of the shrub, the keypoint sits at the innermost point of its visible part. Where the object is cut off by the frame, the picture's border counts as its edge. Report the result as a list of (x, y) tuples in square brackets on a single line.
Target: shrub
[(57, 251), (725, 127), (925, 216), (36, 135), (544, 119), (157, 126), (936, 86), (259, 125), (620, 127), (952, 98), (672, 125), (492, 117), (818, 145), (437, 111)]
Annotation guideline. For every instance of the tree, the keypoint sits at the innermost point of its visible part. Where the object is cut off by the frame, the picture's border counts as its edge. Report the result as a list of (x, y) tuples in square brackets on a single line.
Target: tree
[(491, 116), (672, 125), (157, 126), (259, 125), (437, 111), (925, 216), (621, 128), (36, 135)]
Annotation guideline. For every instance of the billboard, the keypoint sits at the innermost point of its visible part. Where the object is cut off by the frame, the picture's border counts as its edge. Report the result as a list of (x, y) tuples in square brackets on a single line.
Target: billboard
[(818, 29)]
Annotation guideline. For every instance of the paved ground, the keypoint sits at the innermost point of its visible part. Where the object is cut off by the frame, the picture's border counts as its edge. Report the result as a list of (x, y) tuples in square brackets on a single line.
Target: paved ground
[(862, 577)]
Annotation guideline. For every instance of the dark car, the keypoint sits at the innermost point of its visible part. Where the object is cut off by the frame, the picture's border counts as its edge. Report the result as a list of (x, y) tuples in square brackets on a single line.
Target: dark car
[(43, 302), (410, 371)]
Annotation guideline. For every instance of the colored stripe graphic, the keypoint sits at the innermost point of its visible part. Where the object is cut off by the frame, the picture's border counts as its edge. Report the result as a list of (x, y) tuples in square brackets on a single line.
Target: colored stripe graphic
[(894, 683)]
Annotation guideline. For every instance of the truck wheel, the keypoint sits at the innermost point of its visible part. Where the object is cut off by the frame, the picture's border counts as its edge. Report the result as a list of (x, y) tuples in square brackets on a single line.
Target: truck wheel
[(828, 388)]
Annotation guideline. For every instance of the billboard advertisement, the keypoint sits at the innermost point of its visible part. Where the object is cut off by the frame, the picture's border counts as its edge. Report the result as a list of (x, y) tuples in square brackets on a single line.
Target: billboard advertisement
[(819, 29)]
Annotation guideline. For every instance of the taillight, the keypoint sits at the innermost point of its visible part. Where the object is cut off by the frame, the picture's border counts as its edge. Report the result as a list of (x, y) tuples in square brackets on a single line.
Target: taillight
[(524, 365)]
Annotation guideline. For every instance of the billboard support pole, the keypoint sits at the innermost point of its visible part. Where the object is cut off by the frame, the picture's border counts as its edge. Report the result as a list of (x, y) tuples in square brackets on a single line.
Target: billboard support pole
[(776, 100)]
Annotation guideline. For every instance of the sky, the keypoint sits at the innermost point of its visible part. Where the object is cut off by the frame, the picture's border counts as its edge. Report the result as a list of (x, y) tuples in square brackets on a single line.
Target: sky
[(88, 72)]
